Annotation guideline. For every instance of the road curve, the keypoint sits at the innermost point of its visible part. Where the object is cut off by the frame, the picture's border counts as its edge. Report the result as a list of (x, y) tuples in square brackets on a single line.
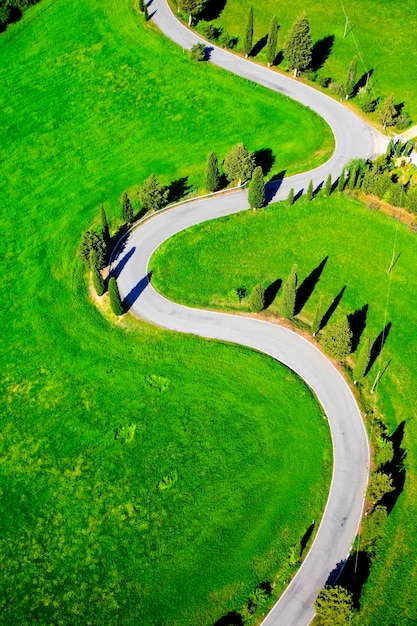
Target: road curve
[(350, 444)]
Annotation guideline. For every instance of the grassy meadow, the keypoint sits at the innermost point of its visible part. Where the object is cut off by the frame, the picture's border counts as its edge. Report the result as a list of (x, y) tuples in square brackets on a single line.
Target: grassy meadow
[(139, 483), (357, 247), (379, 34)]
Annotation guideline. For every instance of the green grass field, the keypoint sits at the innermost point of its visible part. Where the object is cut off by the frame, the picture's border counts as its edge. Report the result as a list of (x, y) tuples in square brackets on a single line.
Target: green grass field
[(381, 29), (98, 419), (261, 247)]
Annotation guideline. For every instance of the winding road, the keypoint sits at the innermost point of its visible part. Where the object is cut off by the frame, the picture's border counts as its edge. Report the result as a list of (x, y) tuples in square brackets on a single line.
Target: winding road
[(354, 138)]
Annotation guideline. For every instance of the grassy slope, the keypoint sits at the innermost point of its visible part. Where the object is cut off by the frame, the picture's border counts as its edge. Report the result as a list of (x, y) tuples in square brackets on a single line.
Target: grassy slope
[(261, 247), (382, 29), (86, 537)]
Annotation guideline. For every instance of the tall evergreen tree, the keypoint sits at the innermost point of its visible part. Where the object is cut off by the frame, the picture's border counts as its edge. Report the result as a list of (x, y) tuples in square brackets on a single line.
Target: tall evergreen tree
[(115, 301), (342, 180), (141, 5), (328, 186), (256, 300), (239, 163), (256, 194), (310, 191), (318, 316), (351, 78), (105, 231), (271, 44), (212, 173), (152, 194), (127, 209), (387, 113), (363, 361), (98, 281), (337, 340), (298, 47), (248, 39), (290, 199), (289, 293)]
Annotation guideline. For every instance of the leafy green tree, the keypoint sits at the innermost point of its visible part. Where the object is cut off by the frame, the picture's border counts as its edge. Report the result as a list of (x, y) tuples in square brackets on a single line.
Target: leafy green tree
[(351, 78), (385, 455), (98, 281), (309, 194), (256, 194), (127, 209), (289, 293), (337, 340), (298, 47), (334, 606), (318, 316), (105, 231), (328, 186), (290, 199), (248, 39), (198, 52), (4, 13), (152, 194), (362, 363), (387, 113), (379, 484), (212, 173), (373, 528), (191, 7), (115, 301), (271, 44), (256, 301), (239, 163)]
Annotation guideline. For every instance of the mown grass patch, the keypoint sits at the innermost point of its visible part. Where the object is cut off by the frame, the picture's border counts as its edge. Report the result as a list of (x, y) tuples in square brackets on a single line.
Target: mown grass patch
[(94, 416), (357, 246)]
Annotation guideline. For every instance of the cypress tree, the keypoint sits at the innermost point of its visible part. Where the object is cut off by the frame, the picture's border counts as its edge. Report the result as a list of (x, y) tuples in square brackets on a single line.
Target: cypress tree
[(98, 281), (342, 180), (105, 231), (271, 44), (290, 199), (328, 186), (310, 191), (141, 6), (398, 148), (256, 194), (146, 12), (362, 362), (318, 316), (337, 340), (247, 42), (298, 47), (115, 301), (289, 293), (127, 209), (212, 173), (352, 176), (256, 300), (390, 148)]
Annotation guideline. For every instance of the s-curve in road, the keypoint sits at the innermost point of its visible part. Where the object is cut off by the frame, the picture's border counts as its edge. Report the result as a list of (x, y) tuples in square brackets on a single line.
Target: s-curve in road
[(350, 444), (353, 138)]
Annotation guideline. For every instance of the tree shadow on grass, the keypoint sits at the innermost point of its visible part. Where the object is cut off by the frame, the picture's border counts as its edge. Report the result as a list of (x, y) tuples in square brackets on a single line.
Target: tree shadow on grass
[(135, 292), (307, 287), (271, 292), (378, 345), (177, 189), (357, 323), (362, 82), (265, 159), (212, 9), (260, 45), (332, 308), (321, 52)]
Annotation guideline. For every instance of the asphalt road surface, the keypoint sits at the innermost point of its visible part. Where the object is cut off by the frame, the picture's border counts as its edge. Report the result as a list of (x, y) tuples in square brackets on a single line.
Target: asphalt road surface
[(343, 510)]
